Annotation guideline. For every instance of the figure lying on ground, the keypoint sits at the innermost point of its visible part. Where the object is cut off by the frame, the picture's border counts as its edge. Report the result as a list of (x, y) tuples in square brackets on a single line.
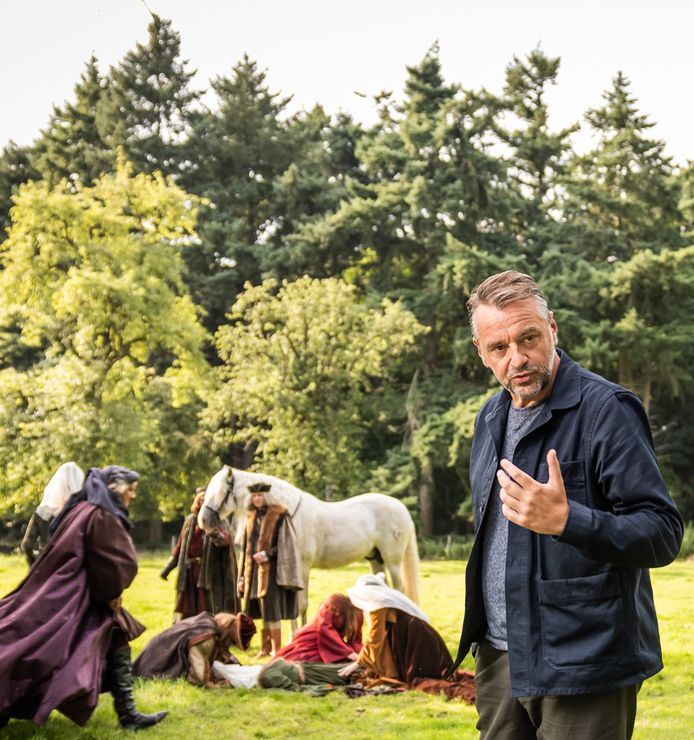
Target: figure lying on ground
[(189, 647), (316, 679)]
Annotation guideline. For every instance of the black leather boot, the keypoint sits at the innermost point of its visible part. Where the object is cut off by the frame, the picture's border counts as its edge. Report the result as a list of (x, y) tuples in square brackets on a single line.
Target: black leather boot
[(121, 679)]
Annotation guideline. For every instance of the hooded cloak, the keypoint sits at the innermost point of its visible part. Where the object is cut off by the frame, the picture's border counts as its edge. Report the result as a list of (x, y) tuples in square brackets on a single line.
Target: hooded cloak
[(57, 626)]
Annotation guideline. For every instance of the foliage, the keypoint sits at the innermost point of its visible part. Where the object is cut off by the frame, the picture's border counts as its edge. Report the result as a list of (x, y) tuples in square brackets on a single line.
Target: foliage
[(15, 169), (236, 152), (103, 362), (146, 102), (304, 365), (687, 549), (450, 185), (71, 147)]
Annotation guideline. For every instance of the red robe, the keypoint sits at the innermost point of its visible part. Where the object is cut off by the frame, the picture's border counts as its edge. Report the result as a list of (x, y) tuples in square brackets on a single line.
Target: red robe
[(56, 627), (320, 641)]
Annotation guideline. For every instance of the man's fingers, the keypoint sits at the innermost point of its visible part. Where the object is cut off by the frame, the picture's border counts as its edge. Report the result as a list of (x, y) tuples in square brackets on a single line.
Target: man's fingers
[(516, 474), (554, 467)]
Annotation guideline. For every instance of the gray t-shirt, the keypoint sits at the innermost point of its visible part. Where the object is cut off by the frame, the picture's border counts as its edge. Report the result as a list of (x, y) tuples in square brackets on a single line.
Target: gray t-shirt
[(495, 534)]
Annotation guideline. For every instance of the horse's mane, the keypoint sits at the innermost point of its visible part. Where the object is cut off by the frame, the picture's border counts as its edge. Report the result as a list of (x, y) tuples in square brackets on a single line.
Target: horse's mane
[(281, 492)]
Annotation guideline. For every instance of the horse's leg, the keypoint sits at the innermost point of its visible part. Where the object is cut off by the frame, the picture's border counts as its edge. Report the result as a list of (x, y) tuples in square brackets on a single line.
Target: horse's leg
[(376, 565), (394, 573), (303, 595)]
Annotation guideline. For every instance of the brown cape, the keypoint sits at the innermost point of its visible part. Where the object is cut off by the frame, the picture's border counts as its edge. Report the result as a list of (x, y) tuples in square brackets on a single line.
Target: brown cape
[(288, 558), (166, 655)]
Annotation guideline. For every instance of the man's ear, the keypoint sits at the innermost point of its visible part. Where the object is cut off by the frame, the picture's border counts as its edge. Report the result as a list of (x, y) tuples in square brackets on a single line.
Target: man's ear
[(553, 327)]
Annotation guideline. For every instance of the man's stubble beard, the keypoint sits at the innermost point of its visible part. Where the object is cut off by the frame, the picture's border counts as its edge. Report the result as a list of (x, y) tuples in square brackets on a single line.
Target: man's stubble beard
[(544, 373)]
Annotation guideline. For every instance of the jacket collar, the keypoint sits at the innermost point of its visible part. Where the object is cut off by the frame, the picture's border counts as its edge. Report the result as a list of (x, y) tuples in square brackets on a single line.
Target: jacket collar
[(566, 392)]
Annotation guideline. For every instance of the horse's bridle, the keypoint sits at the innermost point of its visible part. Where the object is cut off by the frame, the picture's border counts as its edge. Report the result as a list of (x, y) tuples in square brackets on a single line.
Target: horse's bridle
[(229, 491)]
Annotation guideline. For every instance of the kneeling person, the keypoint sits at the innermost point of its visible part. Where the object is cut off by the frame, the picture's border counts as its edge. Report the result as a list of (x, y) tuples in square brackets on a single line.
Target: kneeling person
[(400, 646)]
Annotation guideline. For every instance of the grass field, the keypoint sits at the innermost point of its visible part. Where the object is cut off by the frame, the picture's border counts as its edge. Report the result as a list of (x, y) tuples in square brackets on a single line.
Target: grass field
[(665, 701)]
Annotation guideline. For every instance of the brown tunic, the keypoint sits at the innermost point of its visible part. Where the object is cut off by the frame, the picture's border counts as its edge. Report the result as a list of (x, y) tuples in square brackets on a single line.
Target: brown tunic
[(400, 648), (190, 599)]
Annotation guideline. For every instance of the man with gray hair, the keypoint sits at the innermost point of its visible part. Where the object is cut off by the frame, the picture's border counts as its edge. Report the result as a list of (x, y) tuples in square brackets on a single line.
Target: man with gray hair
[(570, 512)]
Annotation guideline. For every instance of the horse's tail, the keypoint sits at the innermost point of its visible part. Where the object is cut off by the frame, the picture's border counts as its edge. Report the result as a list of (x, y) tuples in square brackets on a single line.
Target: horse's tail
[(409, 567)]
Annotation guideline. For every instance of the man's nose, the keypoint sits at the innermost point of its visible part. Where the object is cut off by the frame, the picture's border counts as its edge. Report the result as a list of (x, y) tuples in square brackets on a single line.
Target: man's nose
[(518, 357)]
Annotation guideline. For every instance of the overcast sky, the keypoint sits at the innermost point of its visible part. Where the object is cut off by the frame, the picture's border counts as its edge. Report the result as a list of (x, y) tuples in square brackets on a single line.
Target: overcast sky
[(327, 51)]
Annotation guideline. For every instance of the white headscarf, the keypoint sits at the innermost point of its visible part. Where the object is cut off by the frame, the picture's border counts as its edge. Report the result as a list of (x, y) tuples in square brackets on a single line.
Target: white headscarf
[(371, 592), (66, 480)]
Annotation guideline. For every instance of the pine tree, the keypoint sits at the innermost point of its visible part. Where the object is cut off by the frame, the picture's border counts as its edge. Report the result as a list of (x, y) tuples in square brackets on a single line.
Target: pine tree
[(323, 167), (621, 194), (71, 147), (432, 194), (538, 156), (147, 103), (16, 167), (237, 150)]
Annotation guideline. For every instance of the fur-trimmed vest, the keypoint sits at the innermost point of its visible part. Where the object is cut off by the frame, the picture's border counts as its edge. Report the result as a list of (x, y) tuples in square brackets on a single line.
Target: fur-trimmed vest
[(287, 551)]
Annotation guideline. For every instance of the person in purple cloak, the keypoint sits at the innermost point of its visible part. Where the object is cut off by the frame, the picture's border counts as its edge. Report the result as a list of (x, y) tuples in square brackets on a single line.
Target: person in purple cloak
[(64, 633)]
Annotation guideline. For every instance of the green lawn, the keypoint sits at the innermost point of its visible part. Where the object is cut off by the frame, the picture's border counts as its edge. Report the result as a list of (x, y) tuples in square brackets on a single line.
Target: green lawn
[(664, 703)]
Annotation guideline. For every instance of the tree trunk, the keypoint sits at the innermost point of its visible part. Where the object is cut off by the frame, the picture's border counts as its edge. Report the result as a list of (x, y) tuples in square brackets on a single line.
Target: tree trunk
[(426, 498), (647, 391), (155, 532)]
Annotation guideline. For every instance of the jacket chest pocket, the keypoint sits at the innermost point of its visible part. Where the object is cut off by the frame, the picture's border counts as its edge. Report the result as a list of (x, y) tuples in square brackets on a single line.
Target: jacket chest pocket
[(574, 477)]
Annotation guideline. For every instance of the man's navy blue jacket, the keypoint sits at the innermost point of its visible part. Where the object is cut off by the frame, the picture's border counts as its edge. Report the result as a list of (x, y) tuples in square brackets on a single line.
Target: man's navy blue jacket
[(579, 607)]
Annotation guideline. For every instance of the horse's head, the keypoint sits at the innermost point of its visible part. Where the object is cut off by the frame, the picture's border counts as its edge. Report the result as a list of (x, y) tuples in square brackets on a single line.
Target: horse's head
[(220, 501)]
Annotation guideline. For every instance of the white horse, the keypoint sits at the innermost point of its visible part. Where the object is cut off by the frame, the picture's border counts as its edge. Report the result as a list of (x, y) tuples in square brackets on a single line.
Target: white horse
[(330, 534)]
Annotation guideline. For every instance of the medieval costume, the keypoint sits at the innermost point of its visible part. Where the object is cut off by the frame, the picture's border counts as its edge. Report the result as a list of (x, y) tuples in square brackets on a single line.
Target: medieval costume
[(316, 679), (207, 575), (66, 480), (189, 647), (334, 635), (401, 647), (63, 632), (271, 568)]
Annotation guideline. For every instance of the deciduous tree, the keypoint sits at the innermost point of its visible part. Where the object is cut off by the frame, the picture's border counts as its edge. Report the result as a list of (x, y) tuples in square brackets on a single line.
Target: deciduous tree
[(91, 286)]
